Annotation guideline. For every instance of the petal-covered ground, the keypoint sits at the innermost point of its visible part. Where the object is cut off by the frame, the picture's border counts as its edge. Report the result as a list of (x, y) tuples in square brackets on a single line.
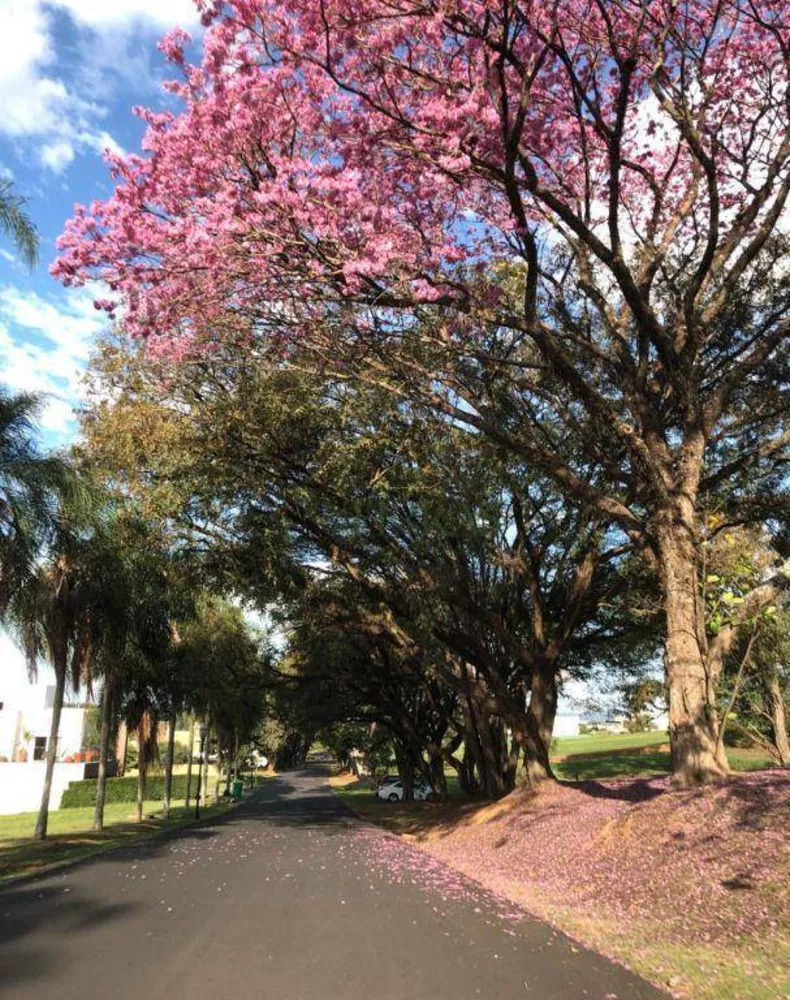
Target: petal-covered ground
[(697, 868)]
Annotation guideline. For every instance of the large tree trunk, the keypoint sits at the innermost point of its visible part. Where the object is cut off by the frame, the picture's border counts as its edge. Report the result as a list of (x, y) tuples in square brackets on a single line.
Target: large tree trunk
[(693, 722), (776, 709), (189, 761), (104, 749), (493, 778), (436, 766), (52, 749), (541, 713), (406, 771), (168, 782)]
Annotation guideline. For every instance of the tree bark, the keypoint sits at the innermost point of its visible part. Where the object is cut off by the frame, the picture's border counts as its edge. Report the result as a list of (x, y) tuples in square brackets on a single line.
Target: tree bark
[(541, 713), (142, 765), (693, 722), (436, 765), (204, 770), (52, 749), (168, 782), (104, 749), (125, 751), (189, 761), (405, 772), (776, 710)]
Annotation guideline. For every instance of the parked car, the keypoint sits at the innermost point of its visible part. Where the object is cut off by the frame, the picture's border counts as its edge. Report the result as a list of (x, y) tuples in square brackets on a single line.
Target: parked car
[(392, 791)]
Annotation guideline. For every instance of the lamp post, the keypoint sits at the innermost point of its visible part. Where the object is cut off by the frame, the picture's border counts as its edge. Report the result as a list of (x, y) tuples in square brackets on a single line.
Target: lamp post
[(203, 731)]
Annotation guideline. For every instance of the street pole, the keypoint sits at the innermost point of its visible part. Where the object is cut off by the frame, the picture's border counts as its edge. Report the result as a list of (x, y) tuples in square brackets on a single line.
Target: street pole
[(203, 732)]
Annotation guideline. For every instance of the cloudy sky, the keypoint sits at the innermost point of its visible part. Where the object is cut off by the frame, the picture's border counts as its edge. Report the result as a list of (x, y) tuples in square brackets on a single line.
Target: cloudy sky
[(70, 71)]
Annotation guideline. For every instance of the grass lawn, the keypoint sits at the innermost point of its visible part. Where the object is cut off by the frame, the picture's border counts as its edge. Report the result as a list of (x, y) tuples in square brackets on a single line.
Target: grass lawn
[(646, 764), (600, 742), (70, 836)]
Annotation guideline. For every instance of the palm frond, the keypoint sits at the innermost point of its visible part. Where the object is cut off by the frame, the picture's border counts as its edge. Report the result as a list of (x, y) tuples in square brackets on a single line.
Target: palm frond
[(18, 225)]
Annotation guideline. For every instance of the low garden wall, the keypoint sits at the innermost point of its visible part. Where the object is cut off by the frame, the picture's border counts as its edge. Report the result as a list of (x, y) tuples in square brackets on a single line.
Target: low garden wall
[(21, 784)]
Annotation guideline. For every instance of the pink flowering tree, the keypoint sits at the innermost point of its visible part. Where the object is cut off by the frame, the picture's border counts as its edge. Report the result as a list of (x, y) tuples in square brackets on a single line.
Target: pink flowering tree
[(585, 198)]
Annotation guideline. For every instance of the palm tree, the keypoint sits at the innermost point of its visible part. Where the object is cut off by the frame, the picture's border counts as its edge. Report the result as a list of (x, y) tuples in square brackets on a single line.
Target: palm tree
[(30, 485), (17, 224), (134, 637), (55, 611), (44, 614)]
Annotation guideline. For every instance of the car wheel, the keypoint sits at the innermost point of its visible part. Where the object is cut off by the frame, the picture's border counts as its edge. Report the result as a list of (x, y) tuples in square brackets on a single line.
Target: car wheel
[(392, 798)]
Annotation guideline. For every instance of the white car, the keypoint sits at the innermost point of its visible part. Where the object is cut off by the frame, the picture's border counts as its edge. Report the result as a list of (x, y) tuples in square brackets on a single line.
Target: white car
[(391, 790)]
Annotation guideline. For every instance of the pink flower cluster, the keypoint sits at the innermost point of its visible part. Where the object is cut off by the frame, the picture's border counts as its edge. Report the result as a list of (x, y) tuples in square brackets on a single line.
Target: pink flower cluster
[(356, 150)]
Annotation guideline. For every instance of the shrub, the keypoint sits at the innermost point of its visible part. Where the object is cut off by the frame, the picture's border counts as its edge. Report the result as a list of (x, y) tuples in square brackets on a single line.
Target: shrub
[(83, 793), (640, 722), (180, 753)]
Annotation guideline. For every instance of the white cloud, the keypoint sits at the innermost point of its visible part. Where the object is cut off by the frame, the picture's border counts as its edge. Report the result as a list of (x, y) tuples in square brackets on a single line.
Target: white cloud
[(37, 100), (100, 141), (31, 100), (56, 155), (53, 362)]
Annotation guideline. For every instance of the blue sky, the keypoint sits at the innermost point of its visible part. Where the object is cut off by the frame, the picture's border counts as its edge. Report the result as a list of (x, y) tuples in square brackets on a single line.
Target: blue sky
[(70, 72)]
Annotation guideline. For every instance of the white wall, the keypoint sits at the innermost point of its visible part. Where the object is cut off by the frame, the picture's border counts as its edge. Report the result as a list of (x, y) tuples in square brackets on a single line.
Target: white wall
[(566, 725), (36, 719), (21, 785)]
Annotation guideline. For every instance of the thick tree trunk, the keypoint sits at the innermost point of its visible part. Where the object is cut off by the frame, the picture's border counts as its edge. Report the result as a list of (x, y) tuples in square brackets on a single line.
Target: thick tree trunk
[(473, 751), (104, 749), (189, 761), (512, 762), (541, 713), (405, 772), (492, 779), (168, 782), (436, 766), (693, 721), (52, 749), (776, 710)]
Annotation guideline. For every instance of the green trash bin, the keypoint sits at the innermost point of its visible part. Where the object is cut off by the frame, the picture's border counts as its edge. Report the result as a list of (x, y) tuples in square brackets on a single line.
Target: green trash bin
[(236, 791)]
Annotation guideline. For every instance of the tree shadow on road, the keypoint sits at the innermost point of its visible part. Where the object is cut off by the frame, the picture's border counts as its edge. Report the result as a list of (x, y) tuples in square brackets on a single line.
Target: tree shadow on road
[(56, 909)]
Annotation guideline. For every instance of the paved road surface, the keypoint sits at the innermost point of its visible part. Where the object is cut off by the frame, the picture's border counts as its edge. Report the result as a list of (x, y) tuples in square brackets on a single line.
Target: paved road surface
[(287, 898)]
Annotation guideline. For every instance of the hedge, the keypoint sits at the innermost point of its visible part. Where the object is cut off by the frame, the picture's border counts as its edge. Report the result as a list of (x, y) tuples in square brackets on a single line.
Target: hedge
[(83, 793)]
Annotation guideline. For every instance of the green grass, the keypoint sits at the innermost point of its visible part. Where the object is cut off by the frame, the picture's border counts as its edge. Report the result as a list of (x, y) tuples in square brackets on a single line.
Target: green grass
[(69, 834), (643, 765), (599, 742)]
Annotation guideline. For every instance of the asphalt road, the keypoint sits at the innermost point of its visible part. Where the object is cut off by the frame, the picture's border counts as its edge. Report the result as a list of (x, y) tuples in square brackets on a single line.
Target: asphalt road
[(286, 898)]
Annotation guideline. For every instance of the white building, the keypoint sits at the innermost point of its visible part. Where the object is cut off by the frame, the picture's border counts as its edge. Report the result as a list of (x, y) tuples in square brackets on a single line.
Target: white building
[(25, 720), (566, 724), (25, 724)]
